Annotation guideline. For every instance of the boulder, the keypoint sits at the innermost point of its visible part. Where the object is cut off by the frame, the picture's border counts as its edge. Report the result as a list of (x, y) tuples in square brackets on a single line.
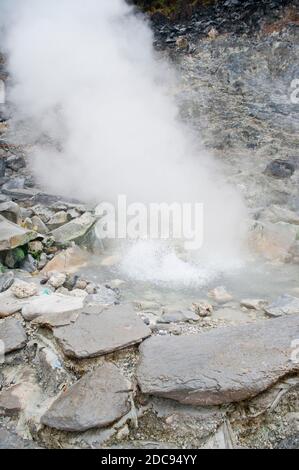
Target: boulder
[(51, 304), (221, 366), (96, 334), (284, 305), (12, 335), (98, 399), (74, 229), (12, 236)]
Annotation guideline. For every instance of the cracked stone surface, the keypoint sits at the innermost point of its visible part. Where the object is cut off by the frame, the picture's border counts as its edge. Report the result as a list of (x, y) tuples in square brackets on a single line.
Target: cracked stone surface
[(100, 398), (221, 366), (50, 305), (98, 334), (12, 334)]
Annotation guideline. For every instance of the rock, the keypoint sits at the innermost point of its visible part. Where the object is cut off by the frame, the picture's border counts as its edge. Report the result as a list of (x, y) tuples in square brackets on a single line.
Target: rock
[(182, 43), (280, 169), (30, 264), (6, 281), (43, 213), (9, 402), (23, 290), (220, 294), (223, 365), (39, 226), (253, 304), (276, 213), (35, 248), (60, 218), (178, 316), (9, 440), (231, 315), (2, 167), (221, 440), (202, 308), (284, 305), (213, 33), (12, 335), (272, 241), (81, 284), (91, 288), (15, 162), (289, 442), (98, 334), (57, 279), (73, 230), (51, 304), (9, 304), (100, 398), (68, 261), (11, 211), (53, 320), (104, 296), (13, 236), (78, 293), (14, 258)]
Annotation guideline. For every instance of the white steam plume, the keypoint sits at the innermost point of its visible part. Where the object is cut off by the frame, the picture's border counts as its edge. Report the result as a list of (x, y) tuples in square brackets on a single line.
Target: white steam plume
[(86, 75)]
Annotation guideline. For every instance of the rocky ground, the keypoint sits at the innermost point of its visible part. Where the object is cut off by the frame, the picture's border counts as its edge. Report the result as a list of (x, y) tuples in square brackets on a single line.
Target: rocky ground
[(81, 367)]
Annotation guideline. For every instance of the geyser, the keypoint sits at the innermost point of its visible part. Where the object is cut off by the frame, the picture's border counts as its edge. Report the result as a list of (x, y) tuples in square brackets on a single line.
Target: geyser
[(87, 81)]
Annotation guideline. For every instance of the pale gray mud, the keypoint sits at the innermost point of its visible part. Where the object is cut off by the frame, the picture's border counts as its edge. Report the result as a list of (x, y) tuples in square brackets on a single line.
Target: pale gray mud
[(235, 92)]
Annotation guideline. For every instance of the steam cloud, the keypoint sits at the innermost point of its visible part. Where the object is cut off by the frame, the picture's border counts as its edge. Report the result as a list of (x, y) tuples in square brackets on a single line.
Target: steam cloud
[(85, 75)]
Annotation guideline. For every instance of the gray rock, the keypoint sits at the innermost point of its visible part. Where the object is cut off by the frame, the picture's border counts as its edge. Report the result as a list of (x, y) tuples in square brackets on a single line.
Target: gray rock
[(12, 334), (284, 305), (220, 366), (289, 443), (6, 281), (9, 440), (98, 399), (16, 162), (75, 229), (39, 225), (178, 316), (12, 236), (104, 296), (30, 264), (50, 305), (11, 211), (280, 169), (9, 304), (98, 334)]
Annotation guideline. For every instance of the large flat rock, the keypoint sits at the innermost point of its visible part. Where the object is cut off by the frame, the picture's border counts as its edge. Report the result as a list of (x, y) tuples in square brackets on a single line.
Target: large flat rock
[(220, 366), (75, 229), (12, 335), (12, 235), (45, 305), (97, 334), (98, 399), (10, 304), (284, 305)]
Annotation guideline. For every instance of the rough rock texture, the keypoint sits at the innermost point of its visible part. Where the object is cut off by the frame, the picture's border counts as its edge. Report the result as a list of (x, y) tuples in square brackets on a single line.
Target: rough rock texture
[(67, 261), (12, 334), (284, 305), (9, 440), (98, 334), (51, 304), (9, 304), (221, 366), (12, 236), (98, 399), (75, 229)]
